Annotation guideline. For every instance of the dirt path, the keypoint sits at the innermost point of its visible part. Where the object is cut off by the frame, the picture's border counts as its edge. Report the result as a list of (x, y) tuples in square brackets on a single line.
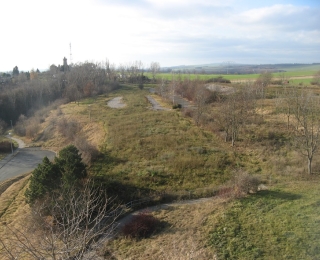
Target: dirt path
[(155, 104)]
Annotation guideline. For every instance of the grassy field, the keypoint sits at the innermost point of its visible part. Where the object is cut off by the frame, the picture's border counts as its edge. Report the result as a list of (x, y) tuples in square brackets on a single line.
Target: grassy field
[(145, 151), (303, 71), (281, 223), (157, 150)]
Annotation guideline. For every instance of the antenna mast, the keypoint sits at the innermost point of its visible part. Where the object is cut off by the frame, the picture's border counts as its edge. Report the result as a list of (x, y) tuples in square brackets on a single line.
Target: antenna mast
[(70, 54)]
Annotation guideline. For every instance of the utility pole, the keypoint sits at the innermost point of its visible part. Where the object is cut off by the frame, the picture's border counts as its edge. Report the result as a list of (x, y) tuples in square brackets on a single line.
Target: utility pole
[(70, 54), (11, 143)]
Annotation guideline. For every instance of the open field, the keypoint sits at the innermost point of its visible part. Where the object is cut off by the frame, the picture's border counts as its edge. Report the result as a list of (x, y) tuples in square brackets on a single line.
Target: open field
[(293, 74)]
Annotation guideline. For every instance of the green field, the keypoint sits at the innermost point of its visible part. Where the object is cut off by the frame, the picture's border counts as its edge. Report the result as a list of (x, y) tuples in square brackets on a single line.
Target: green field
[(303, 71)]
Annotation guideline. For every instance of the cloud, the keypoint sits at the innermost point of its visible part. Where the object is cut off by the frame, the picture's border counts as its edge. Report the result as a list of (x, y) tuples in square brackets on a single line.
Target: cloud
[(38, 33)]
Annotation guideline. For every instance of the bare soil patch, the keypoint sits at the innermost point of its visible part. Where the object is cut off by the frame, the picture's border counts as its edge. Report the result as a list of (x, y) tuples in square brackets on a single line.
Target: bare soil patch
[(116, 102)]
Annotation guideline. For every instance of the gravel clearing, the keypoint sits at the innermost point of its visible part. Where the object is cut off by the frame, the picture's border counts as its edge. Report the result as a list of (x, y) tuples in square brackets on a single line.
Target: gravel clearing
[(116, 102)]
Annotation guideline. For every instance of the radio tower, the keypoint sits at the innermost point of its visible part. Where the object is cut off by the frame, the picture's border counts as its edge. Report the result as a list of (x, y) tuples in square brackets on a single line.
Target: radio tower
[(70, 54)]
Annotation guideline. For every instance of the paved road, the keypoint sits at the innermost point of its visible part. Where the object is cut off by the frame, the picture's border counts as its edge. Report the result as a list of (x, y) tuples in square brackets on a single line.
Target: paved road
[(22, 161)]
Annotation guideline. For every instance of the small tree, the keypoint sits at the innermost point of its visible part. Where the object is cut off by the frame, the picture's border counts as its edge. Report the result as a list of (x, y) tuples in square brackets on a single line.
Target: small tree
[(316, 79), (44, 179), (235, 112), (70, 165), (154, 68), (307, 125), (201, 98)]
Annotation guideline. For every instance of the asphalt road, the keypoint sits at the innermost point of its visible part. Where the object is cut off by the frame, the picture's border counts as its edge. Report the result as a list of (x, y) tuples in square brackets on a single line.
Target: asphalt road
[(24, 160)]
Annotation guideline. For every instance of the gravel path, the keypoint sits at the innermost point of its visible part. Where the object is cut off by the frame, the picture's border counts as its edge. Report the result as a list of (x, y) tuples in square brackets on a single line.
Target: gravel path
[(155, 104)]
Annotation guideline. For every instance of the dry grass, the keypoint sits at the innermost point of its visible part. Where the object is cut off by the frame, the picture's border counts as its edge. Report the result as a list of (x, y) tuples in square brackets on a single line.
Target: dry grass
[(182, 237), (12, 197)]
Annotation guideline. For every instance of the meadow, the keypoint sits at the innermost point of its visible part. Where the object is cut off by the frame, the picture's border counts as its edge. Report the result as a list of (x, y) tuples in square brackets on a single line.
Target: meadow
[(145, 152), (305, 72)]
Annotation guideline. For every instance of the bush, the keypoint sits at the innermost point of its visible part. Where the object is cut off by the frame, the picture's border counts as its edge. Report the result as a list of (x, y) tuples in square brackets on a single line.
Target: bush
[(88, 151), (187, 112), (140, 226), (68, 128), (177, 106), (245, 183), (5, 147), (20, 127), (225, 192)]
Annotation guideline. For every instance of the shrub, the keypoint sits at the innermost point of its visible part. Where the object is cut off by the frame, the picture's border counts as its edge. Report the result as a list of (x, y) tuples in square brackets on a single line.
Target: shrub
[(187, 112), (68, 128), (20, 127), (88, 151), (177, 106), (245, 183), (225, 192), (140, 226), (5, 147)]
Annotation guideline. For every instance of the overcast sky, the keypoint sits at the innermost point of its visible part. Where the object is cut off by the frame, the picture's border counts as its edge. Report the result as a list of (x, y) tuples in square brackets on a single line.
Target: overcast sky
[(37, 33)]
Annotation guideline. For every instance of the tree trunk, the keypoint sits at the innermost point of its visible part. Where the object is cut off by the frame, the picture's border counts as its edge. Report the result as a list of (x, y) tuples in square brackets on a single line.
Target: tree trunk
[(233, 138), (309, 165)]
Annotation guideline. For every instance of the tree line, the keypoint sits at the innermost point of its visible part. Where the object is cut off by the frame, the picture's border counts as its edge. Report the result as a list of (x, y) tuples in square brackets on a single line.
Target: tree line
[(23, 93)]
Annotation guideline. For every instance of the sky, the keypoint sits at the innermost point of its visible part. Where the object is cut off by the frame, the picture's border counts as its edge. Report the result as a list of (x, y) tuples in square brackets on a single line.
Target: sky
[(37, 33)]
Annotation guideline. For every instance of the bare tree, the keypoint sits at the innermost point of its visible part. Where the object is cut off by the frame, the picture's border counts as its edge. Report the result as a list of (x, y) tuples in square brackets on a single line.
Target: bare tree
[(154, 68), (67, 225), (316, 79), (307, 129), (201, 97), (263, 81), (235, 112)]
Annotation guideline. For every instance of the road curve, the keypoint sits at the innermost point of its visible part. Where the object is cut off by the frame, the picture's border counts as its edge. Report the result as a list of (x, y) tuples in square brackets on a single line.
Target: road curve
[(22, 161)]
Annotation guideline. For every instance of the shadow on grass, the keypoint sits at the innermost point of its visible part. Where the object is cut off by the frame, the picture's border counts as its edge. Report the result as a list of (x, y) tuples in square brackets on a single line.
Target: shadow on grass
[(105, 160), (278, 195)]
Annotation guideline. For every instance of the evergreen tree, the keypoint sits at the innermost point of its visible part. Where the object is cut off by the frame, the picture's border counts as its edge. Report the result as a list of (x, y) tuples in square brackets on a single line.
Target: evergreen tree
[(64, 173), (70, 165), (15, 71), (44, 179)]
